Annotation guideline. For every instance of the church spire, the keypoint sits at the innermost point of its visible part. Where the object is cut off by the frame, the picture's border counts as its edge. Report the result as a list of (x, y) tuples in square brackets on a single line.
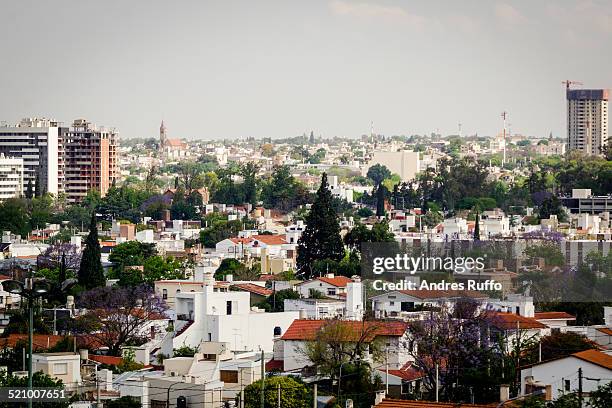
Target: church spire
[(162, 135)]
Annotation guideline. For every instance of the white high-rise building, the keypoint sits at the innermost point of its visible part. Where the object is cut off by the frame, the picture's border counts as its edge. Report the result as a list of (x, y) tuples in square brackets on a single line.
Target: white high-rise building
[(36, 142), (11, 177), (587, 120)]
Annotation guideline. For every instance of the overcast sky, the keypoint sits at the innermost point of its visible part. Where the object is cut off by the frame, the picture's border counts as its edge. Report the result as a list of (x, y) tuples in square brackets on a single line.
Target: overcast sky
[(230, 69)]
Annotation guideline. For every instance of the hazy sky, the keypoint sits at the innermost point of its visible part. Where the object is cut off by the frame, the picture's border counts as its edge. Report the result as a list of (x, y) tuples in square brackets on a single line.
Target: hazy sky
[(227, 69)]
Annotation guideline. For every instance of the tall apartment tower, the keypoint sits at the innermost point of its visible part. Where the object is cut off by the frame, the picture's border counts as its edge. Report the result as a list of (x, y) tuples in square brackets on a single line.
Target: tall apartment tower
[(37, 142), (61, 159), (11, 177), (90, 159), (587, 120)]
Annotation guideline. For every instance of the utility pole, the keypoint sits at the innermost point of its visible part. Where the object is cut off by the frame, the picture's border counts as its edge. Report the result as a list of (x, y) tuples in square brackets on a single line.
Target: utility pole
[(278, 396), (386, 371), (263, 381), (315, 396), (437, 383), (580, 387)]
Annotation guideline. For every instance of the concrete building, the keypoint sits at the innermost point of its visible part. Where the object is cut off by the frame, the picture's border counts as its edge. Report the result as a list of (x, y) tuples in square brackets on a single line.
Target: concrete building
[(90, 159), (37, 143), (561, 375), (71, 160), (582, 201), (226, 316), (405, 163), (11, 177), (587, 120), (65, 366)]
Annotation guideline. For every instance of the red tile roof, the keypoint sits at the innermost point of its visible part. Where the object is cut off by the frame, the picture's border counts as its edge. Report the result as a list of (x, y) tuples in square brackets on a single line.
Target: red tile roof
[(395, 403), (306, 330), (253, 288), (275, 365), (510, 321), (108, 360), (554, 315), (595, 357), (39, 341), (4, 277), (409, 374), (266, 239), (605, 330), (337, 281)]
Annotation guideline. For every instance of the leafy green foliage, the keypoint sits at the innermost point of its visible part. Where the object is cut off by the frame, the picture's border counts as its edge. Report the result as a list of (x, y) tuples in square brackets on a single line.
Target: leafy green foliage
[(294, 393), (38, 380), (275, 302), (282, 191), (91, 273), (321, 237)]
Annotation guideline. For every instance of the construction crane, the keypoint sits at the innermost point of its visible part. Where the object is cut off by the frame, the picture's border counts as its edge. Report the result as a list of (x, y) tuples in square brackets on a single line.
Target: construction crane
[(568, 83)]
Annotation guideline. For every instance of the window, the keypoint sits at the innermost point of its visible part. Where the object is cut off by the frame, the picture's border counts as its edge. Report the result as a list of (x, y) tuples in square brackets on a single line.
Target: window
[(60, 368), (228, 376), (228, 307), (165, 294), (331, 291), (209, 336), (567, 385)]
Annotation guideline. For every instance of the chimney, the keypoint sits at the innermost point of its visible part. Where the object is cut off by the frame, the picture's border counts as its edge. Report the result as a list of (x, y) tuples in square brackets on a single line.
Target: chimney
[(84, 354), (548, 393), (229, 277), (166, 215), (303, 314), (504, 393), (499, 264)]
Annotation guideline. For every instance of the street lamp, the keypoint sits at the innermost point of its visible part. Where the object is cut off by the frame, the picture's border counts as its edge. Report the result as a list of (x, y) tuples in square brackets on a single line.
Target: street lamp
[(30, 290)]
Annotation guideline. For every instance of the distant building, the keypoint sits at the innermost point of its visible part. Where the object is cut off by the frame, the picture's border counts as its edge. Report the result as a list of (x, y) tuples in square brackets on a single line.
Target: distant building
[(37, 143), (582, 201), (11, 177), (405, 163), (170, 148), (587, 120), (90, 159), (59, 159)]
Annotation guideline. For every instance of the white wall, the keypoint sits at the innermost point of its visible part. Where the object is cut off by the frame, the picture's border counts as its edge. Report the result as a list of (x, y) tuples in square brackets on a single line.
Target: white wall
[(555, 372)]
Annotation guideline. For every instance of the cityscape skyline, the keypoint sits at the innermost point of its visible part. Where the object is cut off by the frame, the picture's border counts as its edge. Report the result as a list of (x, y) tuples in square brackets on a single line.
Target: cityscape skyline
[(328, 66)]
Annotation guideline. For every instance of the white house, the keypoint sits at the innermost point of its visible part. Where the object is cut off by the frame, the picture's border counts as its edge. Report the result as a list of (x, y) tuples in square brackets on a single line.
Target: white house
[(328, 285), (220, 316), (349, 307), (65, 366), (394, 334), (562, 374)]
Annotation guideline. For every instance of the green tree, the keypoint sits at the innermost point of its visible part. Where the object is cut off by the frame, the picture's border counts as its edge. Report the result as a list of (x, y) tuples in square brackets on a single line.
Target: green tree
[(294, 393), (602, 396), (477, 228), (38, 380), (559, 344), (276, 301), (249, 186), (14, 216), (378, 173), (321, 237), (91, 273), (123, 402)]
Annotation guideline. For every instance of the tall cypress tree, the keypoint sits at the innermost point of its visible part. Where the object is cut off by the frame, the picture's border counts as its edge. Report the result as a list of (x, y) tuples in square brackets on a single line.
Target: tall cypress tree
[(380, 200), (321, 238), (91, 274), (29, 190), (477, 227)]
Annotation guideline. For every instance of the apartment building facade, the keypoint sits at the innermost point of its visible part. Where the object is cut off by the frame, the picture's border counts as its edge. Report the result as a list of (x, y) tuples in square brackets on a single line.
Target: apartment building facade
[(587, 120), (61, 159), (11, 177)]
